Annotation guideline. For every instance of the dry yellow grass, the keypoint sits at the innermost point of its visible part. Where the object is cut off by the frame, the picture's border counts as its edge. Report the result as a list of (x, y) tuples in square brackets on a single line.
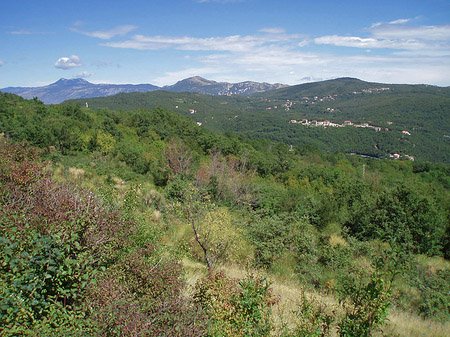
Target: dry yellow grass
[(289, 292), (405, 324), (76, 173)]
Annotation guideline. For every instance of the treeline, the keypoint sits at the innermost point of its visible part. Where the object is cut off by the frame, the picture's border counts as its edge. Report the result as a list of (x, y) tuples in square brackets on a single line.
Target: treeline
[(373, 233)]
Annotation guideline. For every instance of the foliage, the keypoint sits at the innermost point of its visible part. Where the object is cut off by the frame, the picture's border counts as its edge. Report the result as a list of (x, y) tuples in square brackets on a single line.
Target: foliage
[(156, 181), (312, 320), (62, 253), (400, 215), (419, 109), (142, 295), (43, 278), (212, 227), (434, 288), (270, 236), (235, 309), (366, 299)]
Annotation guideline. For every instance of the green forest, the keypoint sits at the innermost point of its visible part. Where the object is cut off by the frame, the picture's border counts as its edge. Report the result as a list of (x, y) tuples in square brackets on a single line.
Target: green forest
[(420, 110), (136, 221)]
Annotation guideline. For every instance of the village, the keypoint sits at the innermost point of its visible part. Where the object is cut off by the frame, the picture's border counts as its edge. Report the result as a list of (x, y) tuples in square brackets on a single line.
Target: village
[(327, 123)]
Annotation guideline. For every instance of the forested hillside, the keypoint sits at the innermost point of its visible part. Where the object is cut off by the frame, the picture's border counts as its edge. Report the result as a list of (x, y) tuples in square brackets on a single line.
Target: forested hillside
[(409, 121), (131, 222)]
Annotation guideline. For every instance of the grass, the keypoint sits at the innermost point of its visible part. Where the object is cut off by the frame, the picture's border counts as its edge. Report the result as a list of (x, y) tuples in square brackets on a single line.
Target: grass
[(405, 324), (290, 292)]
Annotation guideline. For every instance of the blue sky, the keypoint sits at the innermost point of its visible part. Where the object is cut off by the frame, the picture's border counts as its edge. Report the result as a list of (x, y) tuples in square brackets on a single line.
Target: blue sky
[(162, 41)]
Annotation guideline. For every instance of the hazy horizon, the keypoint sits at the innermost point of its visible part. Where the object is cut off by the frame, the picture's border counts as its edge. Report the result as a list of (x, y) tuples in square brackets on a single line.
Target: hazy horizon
[(160, 43)]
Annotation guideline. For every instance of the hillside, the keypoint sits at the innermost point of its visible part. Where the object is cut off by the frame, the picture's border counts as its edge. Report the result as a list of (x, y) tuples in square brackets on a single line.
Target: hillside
[(141, 222), (386, 120)]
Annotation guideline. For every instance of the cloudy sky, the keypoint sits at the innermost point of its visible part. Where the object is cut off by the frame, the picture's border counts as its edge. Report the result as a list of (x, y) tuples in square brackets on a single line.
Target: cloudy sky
[(163, 41)]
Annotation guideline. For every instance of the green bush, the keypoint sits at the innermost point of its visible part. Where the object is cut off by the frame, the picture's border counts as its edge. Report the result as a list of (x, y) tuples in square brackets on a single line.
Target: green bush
[(43, 277), (435, 294), (312, 320), (366, 303), (235, 309)]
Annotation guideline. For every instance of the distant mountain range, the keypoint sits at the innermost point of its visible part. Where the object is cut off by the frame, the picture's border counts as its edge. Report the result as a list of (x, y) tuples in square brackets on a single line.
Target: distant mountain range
[(65, 89), (200, 85)]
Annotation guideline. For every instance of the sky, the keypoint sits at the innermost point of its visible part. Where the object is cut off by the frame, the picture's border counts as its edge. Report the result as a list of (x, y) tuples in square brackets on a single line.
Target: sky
[(281, 41)]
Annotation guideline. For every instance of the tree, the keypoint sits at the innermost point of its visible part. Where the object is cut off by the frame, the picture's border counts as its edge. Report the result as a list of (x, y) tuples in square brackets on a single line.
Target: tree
[(105, 142), (213, 230), (179, 157)]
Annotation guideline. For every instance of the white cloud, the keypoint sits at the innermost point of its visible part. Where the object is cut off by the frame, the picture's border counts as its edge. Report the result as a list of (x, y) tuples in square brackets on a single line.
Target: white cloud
[(28, 32), (107, 34), (303, 43), (233, 43), (294, 67), (272, 55), (83, 74), (272, 30), (174, 76), (68, 62), (358, 42), (400, 21), (20, 32), (398, 36), (1, 63), (394, 22), (427, 33), (230, 43)]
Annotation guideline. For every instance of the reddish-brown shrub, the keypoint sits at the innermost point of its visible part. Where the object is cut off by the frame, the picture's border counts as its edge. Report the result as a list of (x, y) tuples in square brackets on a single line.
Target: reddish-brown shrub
[(130, 288)]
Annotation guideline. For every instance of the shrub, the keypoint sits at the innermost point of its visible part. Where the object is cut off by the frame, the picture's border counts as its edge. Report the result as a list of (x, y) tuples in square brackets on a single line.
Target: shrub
[(435, 290), (68, 264), (366, 304), (313, 321), (235, 309)]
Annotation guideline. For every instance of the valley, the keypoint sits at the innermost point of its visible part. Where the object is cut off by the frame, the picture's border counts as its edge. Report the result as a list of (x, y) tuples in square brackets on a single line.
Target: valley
[(406, 120)]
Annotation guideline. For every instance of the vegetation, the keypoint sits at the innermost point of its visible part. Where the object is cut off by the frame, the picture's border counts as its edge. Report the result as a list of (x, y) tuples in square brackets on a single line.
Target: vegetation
[(103, 213), (417, 109)]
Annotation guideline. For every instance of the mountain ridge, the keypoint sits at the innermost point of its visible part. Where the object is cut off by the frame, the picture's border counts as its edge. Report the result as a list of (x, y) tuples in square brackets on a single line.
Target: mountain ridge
[(65, 89)]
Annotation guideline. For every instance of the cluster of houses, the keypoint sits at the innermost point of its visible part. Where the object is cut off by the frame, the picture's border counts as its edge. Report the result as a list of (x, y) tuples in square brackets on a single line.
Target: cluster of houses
[(316, 99), (327, 123), (399, 156), (287, 106), (313, 100), (370, 90)]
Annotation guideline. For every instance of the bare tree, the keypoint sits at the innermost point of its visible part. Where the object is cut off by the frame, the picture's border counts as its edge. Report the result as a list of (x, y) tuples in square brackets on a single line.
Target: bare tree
[(178, 156)]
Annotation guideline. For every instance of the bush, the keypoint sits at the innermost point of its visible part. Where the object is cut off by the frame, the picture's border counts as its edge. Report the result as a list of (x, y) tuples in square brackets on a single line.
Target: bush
[(235, 309), (313, 321), (366, 303), (434, 287), (270, 236), (68, 264)]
